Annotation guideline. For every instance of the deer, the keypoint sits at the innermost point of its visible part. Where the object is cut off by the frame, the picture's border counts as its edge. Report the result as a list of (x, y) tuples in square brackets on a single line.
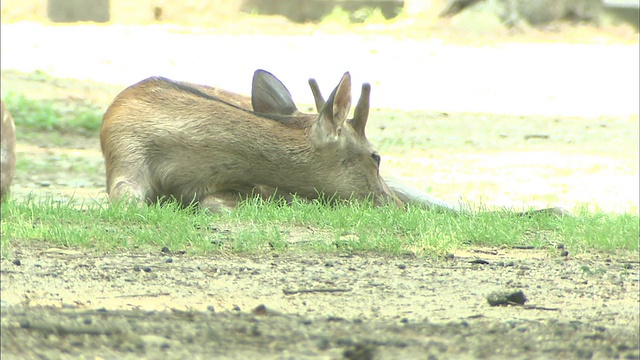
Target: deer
[(163, 140), (8, 152), (270, 96)]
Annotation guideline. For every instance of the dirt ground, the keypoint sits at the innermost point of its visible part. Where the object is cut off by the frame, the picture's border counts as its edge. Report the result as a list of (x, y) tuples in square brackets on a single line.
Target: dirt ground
[(62, 303), (78, 303)]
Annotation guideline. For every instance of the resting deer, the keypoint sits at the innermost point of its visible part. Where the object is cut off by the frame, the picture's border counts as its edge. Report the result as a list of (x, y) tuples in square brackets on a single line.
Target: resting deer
[(270, 96), (164, 139), (8, 152)]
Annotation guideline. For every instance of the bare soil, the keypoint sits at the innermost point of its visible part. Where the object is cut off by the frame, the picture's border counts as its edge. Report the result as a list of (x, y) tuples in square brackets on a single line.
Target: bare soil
[(61, 303), (79, 303)]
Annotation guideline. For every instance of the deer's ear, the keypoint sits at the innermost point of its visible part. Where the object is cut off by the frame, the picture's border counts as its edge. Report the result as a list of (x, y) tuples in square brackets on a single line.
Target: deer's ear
[(342, 100), (270, 96), (317, 95), (335, 111), (361, 113)]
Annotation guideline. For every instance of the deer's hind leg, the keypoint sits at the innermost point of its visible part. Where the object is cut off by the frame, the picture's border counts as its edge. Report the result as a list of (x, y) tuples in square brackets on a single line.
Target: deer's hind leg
[(226, 200), (133, 189), (220, 202)]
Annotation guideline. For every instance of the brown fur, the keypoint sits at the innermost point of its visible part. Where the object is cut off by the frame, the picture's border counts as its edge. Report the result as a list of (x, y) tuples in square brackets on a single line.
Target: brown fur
[(8, 155), (162, 138)]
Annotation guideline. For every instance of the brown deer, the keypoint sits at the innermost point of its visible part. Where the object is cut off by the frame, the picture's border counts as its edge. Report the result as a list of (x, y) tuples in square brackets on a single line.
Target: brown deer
[(270, 96), (8, 152), (164, 139)]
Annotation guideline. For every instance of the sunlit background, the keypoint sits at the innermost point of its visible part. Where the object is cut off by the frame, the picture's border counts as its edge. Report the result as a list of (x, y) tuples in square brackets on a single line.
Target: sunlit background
[(470, 61)]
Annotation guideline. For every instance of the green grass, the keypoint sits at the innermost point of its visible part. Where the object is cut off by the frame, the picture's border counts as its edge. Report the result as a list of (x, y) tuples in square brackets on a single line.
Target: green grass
[(53, 115), (367, 15), (263, 227)]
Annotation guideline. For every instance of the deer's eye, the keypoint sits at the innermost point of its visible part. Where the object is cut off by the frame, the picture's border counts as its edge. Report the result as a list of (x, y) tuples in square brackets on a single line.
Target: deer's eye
[(376, 158)]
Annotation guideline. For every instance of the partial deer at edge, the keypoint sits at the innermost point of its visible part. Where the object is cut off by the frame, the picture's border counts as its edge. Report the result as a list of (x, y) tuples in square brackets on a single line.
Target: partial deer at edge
[(8, 152)]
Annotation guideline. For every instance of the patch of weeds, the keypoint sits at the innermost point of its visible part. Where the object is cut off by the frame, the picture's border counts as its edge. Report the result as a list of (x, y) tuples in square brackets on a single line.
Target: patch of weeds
[(586, 269), (50, 115), (337, 16), (363, 15), (369, 15)]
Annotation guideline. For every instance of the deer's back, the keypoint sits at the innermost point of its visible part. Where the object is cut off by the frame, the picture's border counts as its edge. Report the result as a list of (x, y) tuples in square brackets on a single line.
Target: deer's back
[(158, 109)]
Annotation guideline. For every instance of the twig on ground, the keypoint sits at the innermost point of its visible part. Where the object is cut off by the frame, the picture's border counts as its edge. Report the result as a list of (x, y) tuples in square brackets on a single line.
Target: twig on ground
[(322, 290), (534, 307), (135, 295)]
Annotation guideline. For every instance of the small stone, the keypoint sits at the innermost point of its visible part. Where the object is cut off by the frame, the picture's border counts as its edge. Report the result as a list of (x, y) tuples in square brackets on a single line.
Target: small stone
[(16, 262), (402, 266), (360, 352), (502, 298), (260, 310), (479, 261)]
